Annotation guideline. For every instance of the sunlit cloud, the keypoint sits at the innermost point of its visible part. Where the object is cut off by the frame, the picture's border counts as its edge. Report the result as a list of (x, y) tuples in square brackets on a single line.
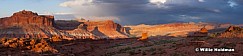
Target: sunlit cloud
[(232, 3), (201, 0), (186, 17), (159, 3)]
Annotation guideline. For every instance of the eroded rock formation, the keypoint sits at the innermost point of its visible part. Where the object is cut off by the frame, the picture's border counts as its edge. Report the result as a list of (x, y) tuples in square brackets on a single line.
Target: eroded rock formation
[(33, 44), (105, 29), (28, 24), (202, 33), (31, 25), (144, 37), (27, 17), (232, 31)]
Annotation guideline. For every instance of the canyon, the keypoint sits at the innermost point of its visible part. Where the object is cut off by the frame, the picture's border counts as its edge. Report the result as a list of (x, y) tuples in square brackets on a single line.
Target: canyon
[(26, 33)]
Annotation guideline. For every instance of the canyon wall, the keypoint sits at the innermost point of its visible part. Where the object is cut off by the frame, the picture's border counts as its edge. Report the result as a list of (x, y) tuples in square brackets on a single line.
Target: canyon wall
[(29, 25), (27, 18), (105, 29)]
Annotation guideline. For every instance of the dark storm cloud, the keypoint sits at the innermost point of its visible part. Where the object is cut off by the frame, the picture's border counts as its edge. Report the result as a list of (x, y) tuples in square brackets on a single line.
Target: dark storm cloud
[(142, 11)]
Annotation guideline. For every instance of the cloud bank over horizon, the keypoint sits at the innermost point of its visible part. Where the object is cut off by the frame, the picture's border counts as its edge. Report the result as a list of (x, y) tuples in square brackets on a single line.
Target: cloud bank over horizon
[(129, 12), (160, 11)]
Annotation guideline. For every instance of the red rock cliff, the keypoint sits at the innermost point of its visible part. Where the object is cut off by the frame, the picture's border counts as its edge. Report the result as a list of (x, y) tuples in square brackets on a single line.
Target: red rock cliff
[(105, 29), (29, 25), (27, 17)]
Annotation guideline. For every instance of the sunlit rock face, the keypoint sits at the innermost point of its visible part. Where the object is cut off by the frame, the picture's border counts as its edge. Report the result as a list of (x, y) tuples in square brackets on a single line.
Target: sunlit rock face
[(27, 17), (28, 24), (105, 29)]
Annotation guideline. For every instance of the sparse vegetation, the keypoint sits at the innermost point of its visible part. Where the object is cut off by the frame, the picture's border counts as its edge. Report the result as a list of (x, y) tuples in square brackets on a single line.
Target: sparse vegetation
[(219, 41), (177, 54), (163, 41), (214, 35), (125, 49), (153, 53), (151, 50), (144, 53), (116, 45), (132, 52)]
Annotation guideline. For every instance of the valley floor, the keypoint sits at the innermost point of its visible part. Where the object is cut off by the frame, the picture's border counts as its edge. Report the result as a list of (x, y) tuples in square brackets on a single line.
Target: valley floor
[(154, 46)]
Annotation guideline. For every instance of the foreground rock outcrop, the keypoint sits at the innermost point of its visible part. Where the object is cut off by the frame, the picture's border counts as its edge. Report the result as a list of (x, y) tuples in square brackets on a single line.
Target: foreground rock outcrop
[(33, 44)]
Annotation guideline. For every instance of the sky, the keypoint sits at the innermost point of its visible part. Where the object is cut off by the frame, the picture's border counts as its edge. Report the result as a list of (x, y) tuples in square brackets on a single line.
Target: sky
[(131, 12)]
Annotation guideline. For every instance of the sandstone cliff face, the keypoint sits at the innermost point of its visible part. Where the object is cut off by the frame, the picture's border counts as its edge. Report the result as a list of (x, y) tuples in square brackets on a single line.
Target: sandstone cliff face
[(105, 29), (27, 17), (29, 25), (80, 33)]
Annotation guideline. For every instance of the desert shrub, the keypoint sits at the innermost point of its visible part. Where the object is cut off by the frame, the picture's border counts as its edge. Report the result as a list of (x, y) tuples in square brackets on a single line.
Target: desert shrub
[(177, 54), (153, 53), (151, 50), (173, 46), (144, 53), (173, 42), (160, 49), (163, 41), (219, 41), (109, 54), (229, 45), (132, 52), (213, 35), (125, 49), (116, 45)]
